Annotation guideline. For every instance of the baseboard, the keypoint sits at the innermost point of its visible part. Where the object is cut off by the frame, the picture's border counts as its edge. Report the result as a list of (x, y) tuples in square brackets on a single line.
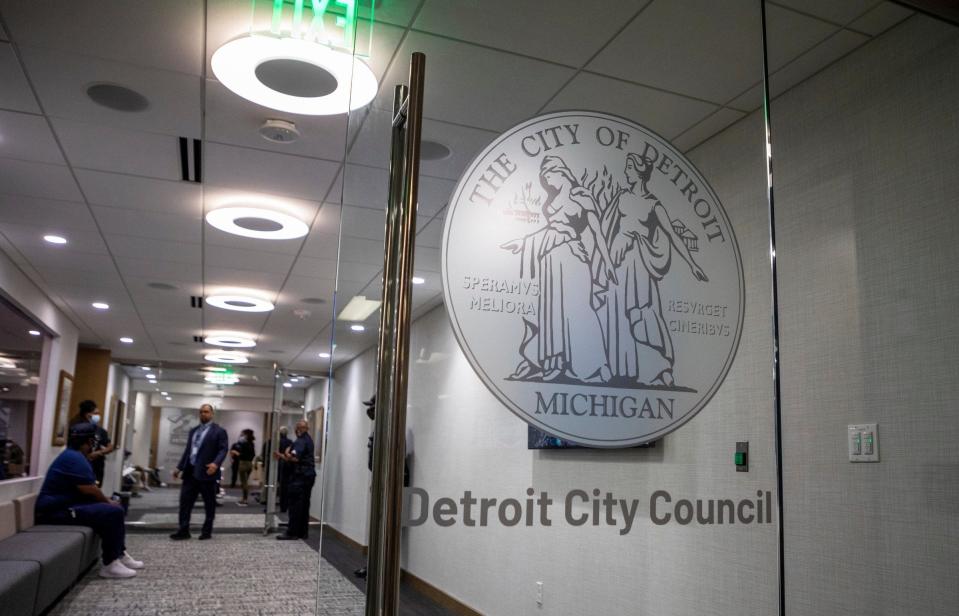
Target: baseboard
[(419, 584), (425, 588), (356, 545)]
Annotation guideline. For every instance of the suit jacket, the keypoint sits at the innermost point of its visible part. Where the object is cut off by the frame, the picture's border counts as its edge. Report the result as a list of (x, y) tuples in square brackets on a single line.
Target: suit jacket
[(212, 450)]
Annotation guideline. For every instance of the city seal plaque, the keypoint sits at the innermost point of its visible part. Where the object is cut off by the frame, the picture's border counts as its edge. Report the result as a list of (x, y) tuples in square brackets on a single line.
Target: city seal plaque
[(592, 279)]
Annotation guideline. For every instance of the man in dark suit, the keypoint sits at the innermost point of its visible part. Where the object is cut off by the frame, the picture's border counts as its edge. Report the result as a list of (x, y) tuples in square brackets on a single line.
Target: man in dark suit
[(200, 467)]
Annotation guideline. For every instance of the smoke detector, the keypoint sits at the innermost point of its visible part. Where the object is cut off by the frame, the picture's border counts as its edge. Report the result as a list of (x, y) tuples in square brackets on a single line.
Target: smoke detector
[(279, 131)]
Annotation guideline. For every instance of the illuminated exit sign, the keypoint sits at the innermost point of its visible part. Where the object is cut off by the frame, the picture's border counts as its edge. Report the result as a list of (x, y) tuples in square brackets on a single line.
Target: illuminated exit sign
[(341, 24)]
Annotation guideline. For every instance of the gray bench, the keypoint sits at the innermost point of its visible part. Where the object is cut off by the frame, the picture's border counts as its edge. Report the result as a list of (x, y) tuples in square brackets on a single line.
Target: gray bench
[(26, 524), (36, 567)]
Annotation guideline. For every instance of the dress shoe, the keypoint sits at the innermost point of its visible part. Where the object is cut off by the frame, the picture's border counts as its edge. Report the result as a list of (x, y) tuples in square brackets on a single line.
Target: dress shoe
[(205, 536), (179, 536), (286, 537)]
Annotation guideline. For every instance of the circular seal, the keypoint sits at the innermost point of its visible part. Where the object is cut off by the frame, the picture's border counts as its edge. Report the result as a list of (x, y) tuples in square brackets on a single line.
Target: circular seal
[(592, 279)]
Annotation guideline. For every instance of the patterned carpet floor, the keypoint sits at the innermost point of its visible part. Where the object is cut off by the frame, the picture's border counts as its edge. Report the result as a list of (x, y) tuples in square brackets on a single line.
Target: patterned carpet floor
[(235, 574)]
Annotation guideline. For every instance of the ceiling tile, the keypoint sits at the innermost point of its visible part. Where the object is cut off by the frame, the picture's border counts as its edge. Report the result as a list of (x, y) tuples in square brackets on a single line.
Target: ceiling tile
[(280, 174), (814, 60), (364, 223), (126, 191), (141, 271), (432, 235), (476, 86), (15, 93), (37, 180), (372, 147), (29, 239), (298, 288), (251, 260), (217, 279), (114, 29), (399, 12), (214, 237), (840, 13), (315, 268), (58, 216), (105, 148), (235, 121), (706, 128), (26, 136), (61, 80), (121, 221), (321, 246), (146, 248), (531, 28), (881, 18), (664, 113), (362, 251), (684, 46)]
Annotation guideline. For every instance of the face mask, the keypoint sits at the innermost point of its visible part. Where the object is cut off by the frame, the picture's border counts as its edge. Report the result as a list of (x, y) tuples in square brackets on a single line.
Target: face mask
[(95, 420)]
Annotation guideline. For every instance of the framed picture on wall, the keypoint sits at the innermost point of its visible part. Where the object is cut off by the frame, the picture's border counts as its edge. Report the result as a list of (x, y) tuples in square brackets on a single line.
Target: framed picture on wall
[(117, 420), (61, 419)]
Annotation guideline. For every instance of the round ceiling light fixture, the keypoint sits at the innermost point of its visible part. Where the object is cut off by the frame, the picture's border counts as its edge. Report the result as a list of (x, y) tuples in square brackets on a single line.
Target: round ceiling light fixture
[(230, 339), (240, 303), (257, 223), (101, 305), (279, 131), (55, 239), (226, 357), (357, 327), (294, 75), (126, 340), (325, 355)]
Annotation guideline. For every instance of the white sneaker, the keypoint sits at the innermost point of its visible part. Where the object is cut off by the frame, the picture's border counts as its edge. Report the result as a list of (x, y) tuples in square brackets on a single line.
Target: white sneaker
[(129, 562), (116, 570)]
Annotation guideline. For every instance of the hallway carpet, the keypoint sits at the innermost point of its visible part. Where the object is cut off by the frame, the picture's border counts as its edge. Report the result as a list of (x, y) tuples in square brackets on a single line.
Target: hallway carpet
[(235, 574)]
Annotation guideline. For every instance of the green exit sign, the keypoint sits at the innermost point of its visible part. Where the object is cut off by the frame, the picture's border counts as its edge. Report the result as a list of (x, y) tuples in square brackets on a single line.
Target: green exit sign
[(328, 22)]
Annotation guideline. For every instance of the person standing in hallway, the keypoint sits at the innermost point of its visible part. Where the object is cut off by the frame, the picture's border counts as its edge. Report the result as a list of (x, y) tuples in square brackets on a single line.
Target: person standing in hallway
[(243, 452), (69, 495), (102, 445), (303, 475), (199, 465)]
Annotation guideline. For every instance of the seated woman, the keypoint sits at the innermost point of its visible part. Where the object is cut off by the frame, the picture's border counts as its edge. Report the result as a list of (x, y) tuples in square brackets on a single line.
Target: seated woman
[(70, 496)]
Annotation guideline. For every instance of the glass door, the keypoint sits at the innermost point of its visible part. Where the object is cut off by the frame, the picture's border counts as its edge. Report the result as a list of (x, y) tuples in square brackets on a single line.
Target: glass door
[(590, 425)]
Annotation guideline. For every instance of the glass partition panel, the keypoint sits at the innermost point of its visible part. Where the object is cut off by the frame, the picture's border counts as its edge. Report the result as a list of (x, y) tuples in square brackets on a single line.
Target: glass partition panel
[(21, 351), (590, 420), (865, 132)]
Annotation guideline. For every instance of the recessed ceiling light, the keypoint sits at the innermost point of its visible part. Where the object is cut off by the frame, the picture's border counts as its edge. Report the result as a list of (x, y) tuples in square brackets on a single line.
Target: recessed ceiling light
[(241, 303), (164, 393), (294, 75), (357, 327), (126, 340), (230, 339), (359, 308), (117, 97), (100, 306), (257, 223), (226, 357), (325, 355), (287, 385), (151, 376), (55, 239), (33, 332), (417, 280), (145, 368)]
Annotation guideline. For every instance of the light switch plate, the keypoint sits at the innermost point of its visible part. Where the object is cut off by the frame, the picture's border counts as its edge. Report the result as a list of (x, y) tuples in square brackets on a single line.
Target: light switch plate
[(863, 442)]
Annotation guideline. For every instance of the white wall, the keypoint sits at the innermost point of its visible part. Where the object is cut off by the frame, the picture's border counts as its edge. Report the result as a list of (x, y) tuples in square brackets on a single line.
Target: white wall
[(118, 386), (142, 427), (59, 353)]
